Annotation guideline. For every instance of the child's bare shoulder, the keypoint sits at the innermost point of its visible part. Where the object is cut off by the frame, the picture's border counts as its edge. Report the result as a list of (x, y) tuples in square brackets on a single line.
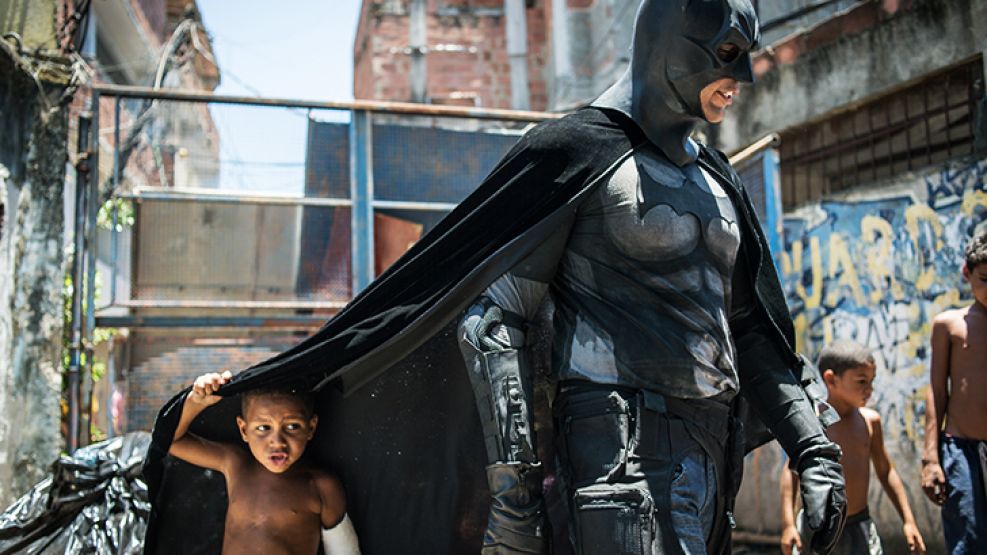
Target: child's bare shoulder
[(871, 416), (951, 318)]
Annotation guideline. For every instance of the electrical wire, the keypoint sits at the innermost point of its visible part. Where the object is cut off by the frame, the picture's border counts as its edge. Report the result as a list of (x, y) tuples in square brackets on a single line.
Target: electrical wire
[(249, 88), (145, 113)]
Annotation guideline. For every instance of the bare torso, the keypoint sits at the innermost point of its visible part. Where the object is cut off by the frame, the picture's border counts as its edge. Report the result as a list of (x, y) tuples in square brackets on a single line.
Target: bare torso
[(272, 513), (966, 408), (853, 433)]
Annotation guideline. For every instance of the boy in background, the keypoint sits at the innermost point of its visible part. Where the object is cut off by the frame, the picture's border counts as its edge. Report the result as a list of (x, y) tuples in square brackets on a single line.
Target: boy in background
[(955, 454), (848, 370), (278, 503)]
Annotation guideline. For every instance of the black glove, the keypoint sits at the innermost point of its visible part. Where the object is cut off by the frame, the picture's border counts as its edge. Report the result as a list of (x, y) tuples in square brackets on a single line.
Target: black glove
[(517, 517), (823, 497), (780, 401)]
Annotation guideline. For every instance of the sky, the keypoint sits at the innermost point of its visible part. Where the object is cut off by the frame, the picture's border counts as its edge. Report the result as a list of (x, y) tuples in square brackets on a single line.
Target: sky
[(295, 49)]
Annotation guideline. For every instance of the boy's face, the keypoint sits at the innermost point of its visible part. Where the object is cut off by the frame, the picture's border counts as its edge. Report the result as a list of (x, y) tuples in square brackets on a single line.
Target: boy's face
[(853, 387), (277, 430), (977, 278)]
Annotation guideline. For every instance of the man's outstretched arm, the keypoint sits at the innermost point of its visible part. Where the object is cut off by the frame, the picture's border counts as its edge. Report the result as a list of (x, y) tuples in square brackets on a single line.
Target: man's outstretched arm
[(790, 538), (892, 485)]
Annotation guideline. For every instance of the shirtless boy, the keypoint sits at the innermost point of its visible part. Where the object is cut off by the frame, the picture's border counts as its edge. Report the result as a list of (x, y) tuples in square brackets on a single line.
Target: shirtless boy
[(278, 503), (848, 370), (952, 463)]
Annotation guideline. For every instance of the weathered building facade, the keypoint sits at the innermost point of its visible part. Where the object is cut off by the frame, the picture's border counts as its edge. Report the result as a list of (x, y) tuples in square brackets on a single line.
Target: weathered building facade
[(49, 52), (33, 156), (160, 144), (461, 52)]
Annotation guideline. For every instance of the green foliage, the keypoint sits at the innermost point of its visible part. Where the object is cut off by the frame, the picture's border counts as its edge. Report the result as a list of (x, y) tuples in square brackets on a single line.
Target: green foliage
[(125, 214), (97, 368), (104, 220), (96, 433), (99, 336)]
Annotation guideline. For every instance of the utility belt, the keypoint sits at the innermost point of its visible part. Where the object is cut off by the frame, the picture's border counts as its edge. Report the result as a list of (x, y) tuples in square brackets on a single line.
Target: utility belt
[(656, 427), (714, 417)]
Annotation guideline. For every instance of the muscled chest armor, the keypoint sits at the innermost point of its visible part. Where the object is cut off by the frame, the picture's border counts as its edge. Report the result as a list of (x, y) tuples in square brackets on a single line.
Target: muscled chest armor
[(642, 292)]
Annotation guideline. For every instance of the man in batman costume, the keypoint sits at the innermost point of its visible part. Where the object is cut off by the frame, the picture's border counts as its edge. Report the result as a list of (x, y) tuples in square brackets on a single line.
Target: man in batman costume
[(667, 305)]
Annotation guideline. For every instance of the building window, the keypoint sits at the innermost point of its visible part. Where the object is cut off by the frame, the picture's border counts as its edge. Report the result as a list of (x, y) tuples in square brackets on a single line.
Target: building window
[(920, 125)]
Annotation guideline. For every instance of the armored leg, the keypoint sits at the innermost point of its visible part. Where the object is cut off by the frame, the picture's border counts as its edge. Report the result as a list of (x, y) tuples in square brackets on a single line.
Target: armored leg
[(491, 340)]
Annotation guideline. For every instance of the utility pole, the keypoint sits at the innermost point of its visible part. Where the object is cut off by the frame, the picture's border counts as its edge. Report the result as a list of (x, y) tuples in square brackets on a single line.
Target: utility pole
[(78, 271), (517, 52), (417, 46)]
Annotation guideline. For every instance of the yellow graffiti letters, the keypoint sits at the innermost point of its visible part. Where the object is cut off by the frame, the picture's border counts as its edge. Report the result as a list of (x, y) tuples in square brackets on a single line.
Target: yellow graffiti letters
[(876, 232)]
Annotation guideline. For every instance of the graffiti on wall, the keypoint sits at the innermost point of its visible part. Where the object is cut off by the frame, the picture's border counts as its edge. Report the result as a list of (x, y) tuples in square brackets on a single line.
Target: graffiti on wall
[(878, 271)]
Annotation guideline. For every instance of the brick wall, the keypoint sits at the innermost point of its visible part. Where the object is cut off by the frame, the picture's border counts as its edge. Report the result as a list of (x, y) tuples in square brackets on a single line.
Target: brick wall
[(164, 364), (480, 75)]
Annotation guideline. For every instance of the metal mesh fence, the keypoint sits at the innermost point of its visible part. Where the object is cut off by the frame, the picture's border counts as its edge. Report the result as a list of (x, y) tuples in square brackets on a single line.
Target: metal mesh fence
[(232, 219)]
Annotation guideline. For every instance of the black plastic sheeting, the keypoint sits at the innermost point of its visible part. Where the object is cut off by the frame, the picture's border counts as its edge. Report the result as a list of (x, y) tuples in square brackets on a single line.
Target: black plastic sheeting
[(94, 502)]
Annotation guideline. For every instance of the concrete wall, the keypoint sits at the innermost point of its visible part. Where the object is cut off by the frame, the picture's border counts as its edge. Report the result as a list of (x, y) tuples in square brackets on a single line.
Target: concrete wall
[(872, 49), (599, 40), (771, 10), (34, 21), (878, 263), (878, 267), (33, 149)]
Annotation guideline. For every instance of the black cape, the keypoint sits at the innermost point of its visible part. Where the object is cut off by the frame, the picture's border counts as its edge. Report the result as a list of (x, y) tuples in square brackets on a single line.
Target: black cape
[(407, 443)]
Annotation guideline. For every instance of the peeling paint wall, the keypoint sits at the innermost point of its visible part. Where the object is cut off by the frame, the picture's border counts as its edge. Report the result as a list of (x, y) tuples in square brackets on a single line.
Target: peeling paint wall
[(33, 21), (877, 267), (7, 200), (33, 148), (873, 60)]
